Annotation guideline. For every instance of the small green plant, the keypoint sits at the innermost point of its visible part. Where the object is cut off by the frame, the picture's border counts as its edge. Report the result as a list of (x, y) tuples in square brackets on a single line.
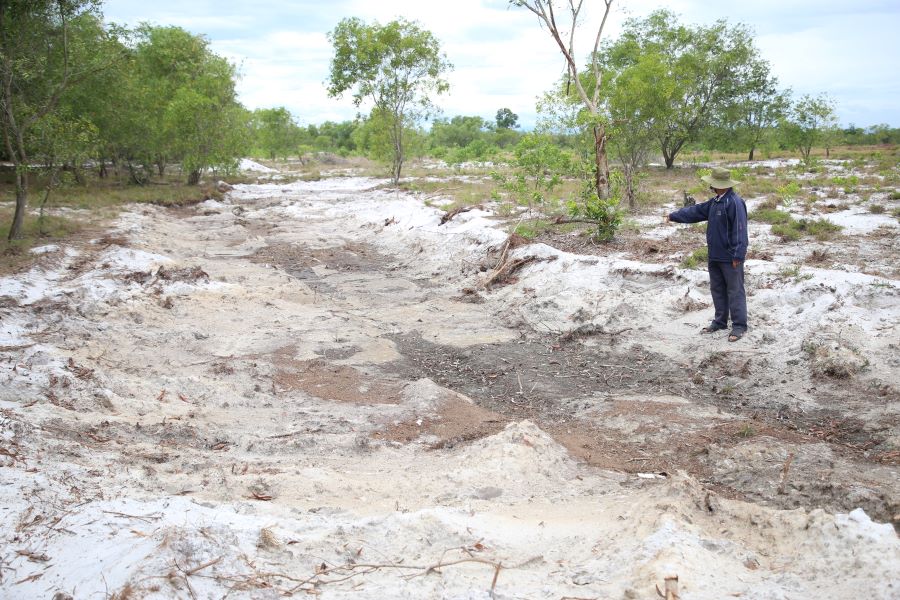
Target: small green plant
[(895, 195), (788, 193), (876, 209), (848, 183), (698, 257), (604, 212), (746, 431)]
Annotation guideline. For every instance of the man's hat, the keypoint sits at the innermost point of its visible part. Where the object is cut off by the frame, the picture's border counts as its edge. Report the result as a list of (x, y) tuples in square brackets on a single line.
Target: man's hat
[(720, 179)]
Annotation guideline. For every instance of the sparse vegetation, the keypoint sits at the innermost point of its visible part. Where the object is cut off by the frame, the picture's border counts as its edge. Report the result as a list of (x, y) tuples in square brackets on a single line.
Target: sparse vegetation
[(698, 257)]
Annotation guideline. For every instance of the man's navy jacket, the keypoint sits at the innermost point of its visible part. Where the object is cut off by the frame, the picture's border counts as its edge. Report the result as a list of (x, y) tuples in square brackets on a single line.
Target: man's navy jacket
[(726, 233)]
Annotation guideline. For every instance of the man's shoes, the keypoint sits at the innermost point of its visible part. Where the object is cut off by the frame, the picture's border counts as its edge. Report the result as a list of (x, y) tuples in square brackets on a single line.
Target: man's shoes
[(712, 329), (735, 335)]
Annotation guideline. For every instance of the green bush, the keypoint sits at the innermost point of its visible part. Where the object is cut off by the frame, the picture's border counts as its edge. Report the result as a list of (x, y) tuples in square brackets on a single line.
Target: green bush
[(895, 195)]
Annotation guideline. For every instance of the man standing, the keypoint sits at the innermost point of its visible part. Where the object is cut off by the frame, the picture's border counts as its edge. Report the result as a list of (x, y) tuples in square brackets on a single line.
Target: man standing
[(726, 239)]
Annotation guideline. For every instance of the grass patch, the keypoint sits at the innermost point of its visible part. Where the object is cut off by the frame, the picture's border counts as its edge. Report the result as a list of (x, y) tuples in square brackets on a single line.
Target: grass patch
[(895, 195), (531, 229), (821, 229), (35, 232), (698, 257), (771, 215), (876, 209)]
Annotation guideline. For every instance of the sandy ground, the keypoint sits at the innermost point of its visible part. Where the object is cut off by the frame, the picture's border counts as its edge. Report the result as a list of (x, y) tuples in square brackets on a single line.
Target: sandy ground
[(308, 389)]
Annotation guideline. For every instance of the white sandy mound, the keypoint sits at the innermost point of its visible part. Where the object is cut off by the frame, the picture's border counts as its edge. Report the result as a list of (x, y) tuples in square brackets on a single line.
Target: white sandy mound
[(248, 165)]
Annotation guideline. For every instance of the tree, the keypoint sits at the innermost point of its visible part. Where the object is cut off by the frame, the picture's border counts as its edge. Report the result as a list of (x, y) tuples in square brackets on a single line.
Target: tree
[(185, 103), (36, 67), (810, 119), (507, 119), (458, 132), (545, 12), (397, 66), (758, 107), (631, 130), (275, 132), (700, 73)]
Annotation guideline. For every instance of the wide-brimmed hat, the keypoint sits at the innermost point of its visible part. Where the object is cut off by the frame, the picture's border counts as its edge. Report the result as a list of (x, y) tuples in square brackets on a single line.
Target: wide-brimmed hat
[(720, 179)]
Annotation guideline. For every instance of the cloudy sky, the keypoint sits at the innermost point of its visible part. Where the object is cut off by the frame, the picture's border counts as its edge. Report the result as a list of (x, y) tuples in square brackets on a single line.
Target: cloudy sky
[(502, 59)]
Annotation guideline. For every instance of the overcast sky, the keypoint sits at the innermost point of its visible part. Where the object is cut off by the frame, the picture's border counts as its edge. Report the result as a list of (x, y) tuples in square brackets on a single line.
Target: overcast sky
[(502, 59)]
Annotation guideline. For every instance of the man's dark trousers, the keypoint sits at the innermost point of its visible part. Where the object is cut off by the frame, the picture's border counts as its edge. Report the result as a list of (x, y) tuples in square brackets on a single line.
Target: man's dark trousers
[(726, 283)]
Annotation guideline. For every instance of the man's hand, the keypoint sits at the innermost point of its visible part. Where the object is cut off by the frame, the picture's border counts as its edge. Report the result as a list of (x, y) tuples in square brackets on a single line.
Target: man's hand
[(735, 263)]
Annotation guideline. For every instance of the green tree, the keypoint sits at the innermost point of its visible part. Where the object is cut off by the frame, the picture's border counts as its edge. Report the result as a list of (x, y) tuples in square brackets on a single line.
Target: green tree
[(700, 71), (37, 65), (587, 90), (809, 122), (397, 66), (506, 119), (632, 133), (185, 97), (275, 132), (458, 132), (758, 107)]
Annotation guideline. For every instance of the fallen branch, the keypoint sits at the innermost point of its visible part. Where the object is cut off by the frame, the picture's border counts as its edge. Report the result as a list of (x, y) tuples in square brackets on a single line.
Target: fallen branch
[(507, 269), (145, 518), (450, 214), (589, 330)]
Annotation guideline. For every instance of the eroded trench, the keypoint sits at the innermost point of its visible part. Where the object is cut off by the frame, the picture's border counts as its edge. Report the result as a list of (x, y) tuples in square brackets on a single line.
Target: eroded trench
[(616, 405)]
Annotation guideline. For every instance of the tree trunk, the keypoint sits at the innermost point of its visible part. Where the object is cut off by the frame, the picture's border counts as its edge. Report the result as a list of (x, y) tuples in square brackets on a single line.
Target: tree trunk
[(751, 154), (15, 232), (103, 173), (194, 177), (398, 153), (601, 165), (670, 160)]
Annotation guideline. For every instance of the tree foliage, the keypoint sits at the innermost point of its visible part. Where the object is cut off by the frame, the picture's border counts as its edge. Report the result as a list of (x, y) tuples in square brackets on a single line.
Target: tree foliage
[(38, 62), (587, 89), (810, 122), (397, 67), (696, 73), (506, 119)]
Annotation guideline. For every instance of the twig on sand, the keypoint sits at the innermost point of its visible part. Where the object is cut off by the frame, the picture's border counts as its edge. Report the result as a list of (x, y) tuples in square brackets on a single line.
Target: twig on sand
[(146, 518), (784, 473), (588, 330)]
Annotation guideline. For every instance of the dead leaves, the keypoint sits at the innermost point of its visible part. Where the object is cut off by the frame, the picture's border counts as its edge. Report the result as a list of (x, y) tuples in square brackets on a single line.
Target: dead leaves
[(79, 372)]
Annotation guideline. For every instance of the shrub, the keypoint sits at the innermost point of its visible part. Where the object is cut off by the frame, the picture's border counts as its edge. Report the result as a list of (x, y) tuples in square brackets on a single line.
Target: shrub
[(770, 215), (788, 193), (895, 195), (787, 231), (876, 209)]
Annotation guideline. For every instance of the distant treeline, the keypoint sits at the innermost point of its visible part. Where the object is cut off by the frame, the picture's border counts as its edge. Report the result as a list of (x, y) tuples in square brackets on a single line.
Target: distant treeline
[(77, 93)]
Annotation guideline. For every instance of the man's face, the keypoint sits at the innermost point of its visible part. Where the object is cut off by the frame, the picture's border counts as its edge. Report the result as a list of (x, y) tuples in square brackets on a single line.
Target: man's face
[(719, 191)]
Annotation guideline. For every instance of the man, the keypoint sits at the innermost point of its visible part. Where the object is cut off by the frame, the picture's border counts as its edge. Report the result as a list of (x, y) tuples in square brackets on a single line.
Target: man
[(726, 239)]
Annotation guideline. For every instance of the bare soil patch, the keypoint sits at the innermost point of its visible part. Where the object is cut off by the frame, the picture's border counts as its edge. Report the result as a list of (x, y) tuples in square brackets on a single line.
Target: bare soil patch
[(339, 383)]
